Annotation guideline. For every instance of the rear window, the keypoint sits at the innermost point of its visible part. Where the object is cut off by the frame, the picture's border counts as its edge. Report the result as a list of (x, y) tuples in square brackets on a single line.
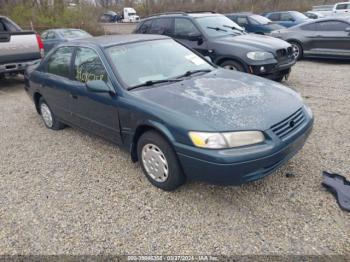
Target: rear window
[(8, 26)]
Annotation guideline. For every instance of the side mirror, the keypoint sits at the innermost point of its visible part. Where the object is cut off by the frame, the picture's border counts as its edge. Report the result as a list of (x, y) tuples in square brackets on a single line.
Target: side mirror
[(98, 86), (195, 38), (208, 58)]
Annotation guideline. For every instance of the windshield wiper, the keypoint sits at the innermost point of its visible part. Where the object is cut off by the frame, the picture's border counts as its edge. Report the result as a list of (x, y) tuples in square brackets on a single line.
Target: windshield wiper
[(192, 72), (216, 29), (153, 82), (233, 28)]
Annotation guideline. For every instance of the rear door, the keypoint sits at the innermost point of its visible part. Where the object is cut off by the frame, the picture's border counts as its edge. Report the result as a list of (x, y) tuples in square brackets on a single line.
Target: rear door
[(186, 32), (56, 82), (331, 38), (94, 112)]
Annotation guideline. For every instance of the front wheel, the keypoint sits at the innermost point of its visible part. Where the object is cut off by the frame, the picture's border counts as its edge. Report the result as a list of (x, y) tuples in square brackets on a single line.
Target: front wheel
[(297, 50), (48, 116), (232, 65), (159, 162)]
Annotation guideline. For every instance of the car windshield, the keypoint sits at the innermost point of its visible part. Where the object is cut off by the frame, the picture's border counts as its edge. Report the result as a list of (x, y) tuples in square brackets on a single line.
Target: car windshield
[(260, 20), (216, 26), (153, 61), (70, 34)]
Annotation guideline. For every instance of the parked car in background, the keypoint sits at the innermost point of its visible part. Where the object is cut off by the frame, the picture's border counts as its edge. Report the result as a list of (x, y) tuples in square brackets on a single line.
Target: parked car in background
[(314, 15), (53, 37), (338, 9), (177, 114), (18, 48), (225, 42), (327, 37), (110, 17), (286, 18), (253, 23), (128, 15)]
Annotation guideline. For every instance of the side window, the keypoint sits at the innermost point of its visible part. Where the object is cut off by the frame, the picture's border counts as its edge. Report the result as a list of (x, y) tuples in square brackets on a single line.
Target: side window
[(88, 66), (59, 62), (44, 35), (184, 28), (242, 21), (145, 27), (275, 17), (161, 26), (331, 26), (286, 17), (309, 27), (50, 35)]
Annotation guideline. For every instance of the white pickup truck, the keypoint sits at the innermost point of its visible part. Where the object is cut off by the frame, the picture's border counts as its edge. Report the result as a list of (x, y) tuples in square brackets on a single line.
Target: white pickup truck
[(339, 9), (18, 48)]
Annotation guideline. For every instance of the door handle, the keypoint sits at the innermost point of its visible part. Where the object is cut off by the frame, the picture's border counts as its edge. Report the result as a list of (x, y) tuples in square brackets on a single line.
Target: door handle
[(73, 96)]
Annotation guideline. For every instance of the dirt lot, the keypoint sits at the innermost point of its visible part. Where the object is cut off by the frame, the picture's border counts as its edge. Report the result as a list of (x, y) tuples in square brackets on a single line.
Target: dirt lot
[(68, 192)]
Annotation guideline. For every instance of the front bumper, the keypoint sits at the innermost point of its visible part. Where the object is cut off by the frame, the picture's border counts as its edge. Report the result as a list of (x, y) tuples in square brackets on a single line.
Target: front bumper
[(239, 166), (273, 71)]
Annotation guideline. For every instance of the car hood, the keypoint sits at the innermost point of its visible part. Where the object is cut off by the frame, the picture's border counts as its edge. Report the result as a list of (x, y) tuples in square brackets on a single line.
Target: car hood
[(255, 42), (224, 100)]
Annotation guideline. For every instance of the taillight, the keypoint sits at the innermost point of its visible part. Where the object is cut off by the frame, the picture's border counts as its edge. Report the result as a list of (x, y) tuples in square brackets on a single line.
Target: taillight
[(41, 45)]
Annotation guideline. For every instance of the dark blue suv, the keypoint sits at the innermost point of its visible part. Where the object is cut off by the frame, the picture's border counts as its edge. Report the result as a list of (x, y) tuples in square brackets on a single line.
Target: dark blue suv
[(253, 23)]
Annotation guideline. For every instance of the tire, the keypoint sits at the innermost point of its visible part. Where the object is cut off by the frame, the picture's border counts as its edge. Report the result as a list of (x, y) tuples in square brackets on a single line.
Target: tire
[(159, 162), (297, 49), (232, 65), (48, 116)]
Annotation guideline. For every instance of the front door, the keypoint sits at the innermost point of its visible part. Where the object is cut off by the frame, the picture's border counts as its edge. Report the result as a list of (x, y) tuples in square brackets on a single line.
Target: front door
[(95, 112)]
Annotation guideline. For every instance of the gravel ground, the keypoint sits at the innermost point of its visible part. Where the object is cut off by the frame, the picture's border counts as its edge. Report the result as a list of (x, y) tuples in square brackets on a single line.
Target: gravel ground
[(68, 192)]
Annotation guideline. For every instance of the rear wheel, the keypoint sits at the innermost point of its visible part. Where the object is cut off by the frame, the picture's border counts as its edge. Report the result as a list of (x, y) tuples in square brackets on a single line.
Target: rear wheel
[(232, 65), (297, 50), (48, 116), (159, 162)]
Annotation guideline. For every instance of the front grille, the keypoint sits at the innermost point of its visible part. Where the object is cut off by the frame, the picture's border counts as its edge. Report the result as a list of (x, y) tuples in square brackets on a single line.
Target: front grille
[(287, 126)]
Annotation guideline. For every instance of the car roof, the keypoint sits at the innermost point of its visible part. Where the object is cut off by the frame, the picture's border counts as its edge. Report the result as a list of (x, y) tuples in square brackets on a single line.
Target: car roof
[(183, 14), (241, 13), (111, 40), (324, 19)]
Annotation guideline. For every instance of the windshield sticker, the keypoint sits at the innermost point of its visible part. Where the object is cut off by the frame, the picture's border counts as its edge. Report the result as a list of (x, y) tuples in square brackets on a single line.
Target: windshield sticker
[(86, 76), (195, 59)]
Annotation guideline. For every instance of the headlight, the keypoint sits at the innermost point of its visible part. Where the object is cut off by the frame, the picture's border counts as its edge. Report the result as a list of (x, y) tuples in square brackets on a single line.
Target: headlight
[(259, 55), (226, 140)]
